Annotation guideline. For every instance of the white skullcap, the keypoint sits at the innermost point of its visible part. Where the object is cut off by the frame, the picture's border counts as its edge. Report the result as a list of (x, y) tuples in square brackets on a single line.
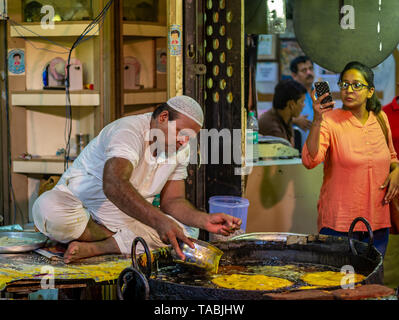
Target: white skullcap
[(187, 106)]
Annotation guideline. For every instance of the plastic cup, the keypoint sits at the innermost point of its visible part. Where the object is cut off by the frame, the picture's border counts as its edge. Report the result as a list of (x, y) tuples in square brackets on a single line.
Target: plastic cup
[(231, 205)]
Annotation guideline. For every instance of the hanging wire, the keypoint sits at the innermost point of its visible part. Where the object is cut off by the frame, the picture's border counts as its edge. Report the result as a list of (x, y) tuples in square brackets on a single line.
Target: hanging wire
[(16, 24), (98, 21)]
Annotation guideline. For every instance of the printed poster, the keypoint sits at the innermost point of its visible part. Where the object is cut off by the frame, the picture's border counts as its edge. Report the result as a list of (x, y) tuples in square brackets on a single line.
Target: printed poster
[(267, 72), (16, 62), (175, 40)]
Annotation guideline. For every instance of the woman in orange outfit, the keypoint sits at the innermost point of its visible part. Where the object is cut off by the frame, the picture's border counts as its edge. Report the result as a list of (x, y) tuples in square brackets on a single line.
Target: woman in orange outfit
[(361, 173)]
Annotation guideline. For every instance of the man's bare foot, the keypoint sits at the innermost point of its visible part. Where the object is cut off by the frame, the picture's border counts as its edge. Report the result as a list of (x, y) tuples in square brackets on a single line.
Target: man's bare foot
[(95, 232), (78, 250)]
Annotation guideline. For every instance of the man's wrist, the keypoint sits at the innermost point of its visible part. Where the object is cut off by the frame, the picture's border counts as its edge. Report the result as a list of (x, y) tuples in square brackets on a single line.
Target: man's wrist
[(203, 220), (157, 218)]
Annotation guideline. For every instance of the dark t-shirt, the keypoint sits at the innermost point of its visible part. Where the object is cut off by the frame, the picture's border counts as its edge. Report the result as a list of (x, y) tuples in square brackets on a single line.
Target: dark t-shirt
[(271, 124)]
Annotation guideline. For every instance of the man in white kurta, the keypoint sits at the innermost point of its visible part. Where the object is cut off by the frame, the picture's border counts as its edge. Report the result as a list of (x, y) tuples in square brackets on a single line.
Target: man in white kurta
[(103, 201)]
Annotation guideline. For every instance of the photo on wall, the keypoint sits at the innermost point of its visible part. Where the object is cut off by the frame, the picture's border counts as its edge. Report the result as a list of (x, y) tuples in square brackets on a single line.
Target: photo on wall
[(266, 47), (161, 60), (16, 62), (289, 50)]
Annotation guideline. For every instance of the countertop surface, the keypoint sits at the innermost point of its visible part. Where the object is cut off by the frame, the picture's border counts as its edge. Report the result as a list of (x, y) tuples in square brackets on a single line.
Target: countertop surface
[(32, 266)]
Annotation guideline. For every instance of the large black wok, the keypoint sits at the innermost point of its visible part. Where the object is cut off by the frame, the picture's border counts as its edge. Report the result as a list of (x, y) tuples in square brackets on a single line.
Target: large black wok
[(140, 281)]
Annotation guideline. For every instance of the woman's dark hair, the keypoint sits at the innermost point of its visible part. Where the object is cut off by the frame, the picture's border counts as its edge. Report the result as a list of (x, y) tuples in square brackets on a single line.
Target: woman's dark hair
[(373, 104), (173, 114), (285, 91)]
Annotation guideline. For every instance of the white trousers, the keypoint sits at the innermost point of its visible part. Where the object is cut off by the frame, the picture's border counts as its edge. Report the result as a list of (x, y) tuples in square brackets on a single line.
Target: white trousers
[(62, 214)]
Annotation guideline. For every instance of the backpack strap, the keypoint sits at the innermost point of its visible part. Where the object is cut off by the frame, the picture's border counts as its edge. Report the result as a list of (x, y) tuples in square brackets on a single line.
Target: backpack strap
[(383, 125)]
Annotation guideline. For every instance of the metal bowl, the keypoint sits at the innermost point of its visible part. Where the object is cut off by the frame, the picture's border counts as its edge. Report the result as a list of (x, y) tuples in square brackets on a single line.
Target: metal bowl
[(25, 241), (267, 236), (204, 255)]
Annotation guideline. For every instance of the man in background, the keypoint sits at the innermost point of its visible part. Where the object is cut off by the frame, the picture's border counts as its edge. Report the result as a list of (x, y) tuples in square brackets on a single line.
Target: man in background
[(288, 102), (302, 71)]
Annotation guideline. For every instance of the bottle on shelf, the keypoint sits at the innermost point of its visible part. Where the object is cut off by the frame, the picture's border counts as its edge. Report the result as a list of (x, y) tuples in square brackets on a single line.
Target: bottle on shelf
[(252, 153)]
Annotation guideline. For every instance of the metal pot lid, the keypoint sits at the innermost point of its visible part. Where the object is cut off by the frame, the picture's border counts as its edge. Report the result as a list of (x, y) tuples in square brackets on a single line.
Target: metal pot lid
[(363, 32)]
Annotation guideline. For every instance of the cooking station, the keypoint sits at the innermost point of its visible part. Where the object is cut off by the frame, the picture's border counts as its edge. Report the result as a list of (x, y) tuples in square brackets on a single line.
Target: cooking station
[(81, 96), (29, 278), (157, 276), (34, 270)]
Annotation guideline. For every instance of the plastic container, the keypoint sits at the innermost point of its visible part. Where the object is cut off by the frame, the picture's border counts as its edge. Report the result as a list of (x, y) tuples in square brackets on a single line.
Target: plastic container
[(231, 205)]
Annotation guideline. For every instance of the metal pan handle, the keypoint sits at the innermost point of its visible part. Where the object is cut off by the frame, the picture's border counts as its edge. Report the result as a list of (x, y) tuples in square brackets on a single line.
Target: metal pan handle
[(135, 264), (350, 235)]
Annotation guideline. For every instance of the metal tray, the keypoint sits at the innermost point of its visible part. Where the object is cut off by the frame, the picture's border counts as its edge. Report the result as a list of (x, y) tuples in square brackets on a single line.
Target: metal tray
[(267, 236), (32, 241)]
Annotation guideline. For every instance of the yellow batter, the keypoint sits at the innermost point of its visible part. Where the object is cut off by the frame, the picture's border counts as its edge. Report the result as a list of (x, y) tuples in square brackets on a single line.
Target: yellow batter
[(329, 278), (105, 271), (250, 282)]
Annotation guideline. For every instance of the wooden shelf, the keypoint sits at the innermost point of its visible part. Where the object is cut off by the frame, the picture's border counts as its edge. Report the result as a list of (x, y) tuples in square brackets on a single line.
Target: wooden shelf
[(144, 96), (54, 98), (42, 165), (144, 29), (61, 29)]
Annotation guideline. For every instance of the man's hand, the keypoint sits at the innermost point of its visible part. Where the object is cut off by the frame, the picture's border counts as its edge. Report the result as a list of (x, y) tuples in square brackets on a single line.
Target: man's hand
[(302, 122), (169, 232), (222, 223)]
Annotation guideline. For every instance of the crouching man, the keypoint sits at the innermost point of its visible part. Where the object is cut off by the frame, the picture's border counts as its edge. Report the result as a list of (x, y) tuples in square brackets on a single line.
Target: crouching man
[(104, 200)]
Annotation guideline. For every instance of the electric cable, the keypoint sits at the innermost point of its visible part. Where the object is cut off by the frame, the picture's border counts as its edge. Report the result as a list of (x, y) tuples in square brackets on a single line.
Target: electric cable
[(16, 24), (99, 20)]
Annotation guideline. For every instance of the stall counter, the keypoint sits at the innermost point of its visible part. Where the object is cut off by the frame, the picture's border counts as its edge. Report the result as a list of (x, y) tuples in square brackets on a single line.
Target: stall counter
[(283, 196)]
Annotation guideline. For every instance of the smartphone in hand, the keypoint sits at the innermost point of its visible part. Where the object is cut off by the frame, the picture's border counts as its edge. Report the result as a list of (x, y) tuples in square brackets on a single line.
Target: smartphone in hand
[(322, 88)]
